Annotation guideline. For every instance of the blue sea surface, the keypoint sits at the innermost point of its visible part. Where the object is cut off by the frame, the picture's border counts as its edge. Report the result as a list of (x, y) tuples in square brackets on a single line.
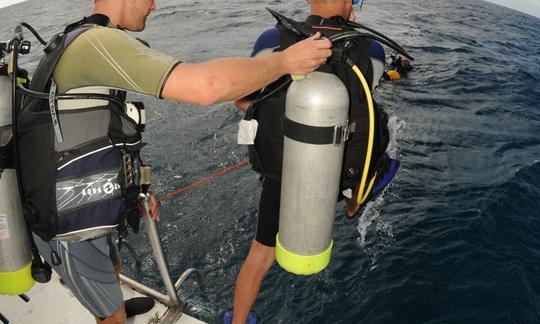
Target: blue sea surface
[(454, 239)]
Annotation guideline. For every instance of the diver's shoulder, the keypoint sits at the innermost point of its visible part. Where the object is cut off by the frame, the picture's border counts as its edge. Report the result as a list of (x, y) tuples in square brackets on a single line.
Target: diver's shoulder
[(268, 40), (377, 50)]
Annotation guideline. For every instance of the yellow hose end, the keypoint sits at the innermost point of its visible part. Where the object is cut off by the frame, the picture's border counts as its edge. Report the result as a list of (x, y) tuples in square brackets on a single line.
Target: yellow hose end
[(16, 282), (394, 75), (302, 264)]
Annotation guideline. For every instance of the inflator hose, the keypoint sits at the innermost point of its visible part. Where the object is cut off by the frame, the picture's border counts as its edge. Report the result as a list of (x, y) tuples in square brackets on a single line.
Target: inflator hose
[(363, 192)]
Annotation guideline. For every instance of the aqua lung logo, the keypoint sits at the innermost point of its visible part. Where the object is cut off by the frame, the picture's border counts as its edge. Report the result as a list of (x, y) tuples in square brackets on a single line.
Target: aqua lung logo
[(79, 192), (107, 189)]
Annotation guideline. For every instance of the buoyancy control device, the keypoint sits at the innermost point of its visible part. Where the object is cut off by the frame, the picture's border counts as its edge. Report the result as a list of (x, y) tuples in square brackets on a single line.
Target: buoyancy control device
[(77, 185)]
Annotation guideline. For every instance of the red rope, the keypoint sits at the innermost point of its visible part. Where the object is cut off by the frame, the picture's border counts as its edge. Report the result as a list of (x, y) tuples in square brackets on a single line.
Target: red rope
[(205, 180)]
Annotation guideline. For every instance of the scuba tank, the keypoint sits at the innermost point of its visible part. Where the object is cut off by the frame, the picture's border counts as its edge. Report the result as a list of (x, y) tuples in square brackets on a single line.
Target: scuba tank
[(15, 248), (315, 129), (20, 262)]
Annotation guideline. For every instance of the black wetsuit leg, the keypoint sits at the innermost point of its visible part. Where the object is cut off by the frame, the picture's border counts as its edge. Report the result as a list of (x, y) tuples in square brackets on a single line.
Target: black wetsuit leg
[(268, 219)]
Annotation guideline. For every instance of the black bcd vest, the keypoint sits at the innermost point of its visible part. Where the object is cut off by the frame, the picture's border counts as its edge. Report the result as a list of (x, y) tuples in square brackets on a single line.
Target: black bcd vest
[(75, 187), (269, 109)]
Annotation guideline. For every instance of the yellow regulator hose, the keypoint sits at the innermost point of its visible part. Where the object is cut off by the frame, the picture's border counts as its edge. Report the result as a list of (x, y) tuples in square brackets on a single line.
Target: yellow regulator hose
[(364, 190)]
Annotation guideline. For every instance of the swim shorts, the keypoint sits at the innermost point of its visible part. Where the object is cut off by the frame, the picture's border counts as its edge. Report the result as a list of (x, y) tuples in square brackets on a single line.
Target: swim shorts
[(86, 267)]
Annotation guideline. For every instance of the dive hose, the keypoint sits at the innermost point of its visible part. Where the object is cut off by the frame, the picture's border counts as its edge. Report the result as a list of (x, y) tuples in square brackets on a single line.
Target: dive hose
[(363, 191)]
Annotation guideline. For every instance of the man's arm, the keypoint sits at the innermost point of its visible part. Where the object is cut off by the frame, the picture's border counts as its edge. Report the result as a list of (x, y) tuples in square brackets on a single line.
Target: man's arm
[(268, 42), (232, 78)]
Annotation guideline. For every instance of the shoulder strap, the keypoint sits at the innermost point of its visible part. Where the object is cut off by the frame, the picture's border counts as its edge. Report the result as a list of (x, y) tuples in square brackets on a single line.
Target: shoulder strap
[(96, 19), (45, 69), (53, 52), (57, 45)]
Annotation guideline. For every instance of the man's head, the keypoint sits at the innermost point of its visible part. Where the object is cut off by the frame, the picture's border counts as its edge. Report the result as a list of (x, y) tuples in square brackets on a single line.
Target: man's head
[(127, 14), (330, 8)]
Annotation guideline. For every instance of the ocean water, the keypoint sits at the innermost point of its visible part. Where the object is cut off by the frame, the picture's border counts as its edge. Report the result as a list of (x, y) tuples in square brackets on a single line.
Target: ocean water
[(454, 239)]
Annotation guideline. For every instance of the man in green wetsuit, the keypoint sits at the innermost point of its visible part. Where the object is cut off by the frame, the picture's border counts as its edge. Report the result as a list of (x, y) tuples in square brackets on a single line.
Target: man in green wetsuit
[(105, 58)]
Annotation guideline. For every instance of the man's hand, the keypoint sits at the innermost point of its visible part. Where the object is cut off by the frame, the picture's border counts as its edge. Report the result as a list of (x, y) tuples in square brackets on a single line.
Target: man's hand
[(306, 56), (154, 211)]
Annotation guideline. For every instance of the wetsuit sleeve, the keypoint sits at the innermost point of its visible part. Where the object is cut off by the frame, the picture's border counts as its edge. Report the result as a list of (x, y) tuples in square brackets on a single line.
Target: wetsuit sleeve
[(112, 58)]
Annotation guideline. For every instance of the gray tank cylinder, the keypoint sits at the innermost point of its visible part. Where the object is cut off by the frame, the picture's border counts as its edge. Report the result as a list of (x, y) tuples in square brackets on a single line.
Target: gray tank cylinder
[(15, 252), (316, 114)]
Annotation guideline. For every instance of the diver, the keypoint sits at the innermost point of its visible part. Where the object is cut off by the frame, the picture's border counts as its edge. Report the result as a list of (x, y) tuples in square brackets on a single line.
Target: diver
[(81, 182), (399, 68), (267, 107)]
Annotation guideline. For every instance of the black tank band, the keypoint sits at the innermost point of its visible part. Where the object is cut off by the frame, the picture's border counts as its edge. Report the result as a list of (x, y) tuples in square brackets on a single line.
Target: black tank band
[(315, 134)]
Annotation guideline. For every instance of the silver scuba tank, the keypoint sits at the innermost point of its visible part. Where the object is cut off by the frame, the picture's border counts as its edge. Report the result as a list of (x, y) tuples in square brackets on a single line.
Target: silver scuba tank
[(15, 251), (315, 128)]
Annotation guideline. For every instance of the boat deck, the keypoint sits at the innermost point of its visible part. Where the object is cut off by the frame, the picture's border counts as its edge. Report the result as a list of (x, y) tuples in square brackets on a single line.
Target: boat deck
[(52, 303)]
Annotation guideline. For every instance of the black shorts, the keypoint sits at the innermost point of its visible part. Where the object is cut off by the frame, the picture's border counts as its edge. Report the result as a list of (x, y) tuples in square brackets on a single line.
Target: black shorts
[(268, 219)]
